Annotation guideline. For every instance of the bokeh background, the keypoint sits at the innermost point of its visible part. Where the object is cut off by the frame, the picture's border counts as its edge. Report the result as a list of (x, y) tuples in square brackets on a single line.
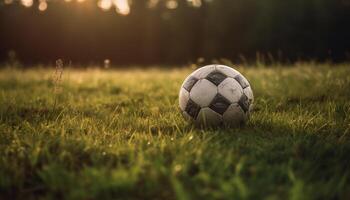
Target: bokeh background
[(147, 32)]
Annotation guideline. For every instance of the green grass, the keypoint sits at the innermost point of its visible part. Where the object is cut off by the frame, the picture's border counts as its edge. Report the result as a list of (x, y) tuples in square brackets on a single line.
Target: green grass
[(118, 134)]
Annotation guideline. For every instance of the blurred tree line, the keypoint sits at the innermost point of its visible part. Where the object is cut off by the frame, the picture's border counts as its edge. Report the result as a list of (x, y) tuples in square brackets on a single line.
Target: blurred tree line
[(239, 30)]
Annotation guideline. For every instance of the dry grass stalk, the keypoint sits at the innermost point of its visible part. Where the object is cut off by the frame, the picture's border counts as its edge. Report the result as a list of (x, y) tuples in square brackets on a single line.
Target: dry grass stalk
[(57, 79)]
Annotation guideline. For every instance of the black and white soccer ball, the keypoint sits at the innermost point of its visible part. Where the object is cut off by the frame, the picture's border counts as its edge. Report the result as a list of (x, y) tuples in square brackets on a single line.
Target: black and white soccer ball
[(216, 95)]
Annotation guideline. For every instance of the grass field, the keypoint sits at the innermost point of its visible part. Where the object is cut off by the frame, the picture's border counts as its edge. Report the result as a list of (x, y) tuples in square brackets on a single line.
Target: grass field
[(118, 134)]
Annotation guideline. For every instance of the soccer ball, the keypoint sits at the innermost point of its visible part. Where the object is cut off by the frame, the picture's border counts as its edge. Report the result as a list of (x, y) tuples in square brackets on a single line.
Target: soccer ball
[(216, 95)]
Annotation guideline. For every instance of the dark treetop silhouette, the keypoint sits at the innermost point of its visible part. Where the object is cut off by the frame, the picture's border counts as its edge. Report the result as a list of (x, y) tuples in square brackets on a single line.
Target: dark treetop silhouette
[(169, 31)]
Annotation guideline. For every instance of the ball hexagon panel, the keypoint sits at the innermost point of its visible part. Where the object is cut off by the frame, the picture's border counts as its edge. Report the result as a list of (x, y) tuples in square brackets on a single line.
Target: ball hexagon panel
[(228, 71), (184, 96), (208, 117), (244, 103), (231, 90), (234, 115), (249, 93), (242, 81), (203, 71), (203, 92)]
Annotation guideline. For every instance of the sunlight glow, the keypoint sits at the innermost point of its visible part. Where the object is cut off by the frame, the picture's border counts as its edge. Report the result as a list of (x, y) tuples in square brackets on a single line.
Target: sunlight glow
[(171, 4), (105, 4), (152, 3), (8, 1), (122, 6), (42, 5), (27, 3), (195, 3), (107, 63)]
